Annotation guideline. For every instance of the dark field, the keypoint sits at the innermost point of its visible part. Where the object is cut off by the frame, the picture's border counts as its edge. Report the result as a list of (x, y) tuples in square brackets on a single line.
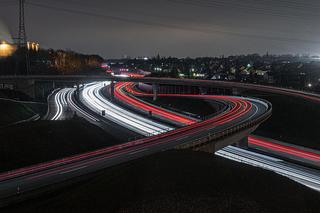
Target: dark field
[(12, 112), (294, 120), (34, 142), (39, 108), (188, 105), (179, 181), (16, 95)]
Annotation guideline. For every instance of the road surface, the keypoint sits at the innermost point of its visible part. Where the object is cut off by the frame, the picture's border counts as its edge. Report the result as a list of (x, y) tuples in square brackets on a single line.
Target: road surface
[(21, 181), (301, 174)]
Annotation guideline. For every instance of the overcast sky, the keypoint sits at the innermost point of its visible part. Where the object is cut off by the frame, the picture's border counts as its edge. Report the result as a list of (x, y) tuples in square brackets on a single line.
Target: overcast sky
[(113, 28)]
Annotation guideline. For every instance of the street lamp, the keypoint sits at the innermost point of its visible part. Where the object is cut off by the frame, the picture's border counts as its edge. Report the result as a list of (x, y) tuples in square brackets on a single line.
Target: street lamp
[(6, 49)]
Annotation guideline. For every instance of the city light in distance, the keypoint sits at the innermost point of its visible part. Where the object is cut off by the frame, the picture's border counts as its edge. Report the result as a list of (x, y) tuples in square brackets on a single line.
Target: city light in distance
[(33, 46)]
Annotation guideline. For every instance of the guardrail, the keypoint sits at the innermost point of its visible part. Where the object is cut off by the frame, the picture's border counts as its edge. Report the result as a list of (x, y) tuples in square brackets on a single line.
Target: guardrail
[(229, 131)]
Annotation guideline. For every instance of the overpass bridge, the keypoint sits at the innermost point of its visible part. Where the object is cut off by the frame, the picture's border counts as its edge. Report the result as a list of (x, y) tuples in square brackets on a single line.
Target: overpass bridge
[(198, 137), (230, 126), (39, 86)]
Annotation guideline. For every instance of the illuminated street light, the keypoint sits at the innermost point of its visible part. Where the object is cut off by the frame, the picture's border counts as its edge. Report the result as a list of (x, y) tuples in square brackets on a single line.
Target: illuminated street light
[(6, 49), (309, 85)]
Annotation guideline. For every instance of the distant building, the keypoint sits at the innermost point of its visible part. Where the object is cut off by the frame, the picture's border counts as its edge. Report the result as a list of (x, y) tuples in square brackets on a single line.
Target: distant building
[(34, 46)]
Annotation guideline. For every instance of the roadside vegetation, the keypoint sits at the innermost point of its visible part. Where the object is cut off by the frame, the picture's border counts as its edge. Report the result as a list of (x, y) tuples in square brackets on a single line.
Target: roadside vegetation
[(12, 112), (179, 181), (35, 142)]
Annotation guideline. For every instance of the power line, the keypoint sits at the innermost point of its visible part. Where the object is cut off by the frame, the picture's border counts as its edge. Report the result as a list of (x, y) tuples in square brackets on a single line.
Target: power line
[(298, 13), (22, 36), (146, 15), (149, 23)]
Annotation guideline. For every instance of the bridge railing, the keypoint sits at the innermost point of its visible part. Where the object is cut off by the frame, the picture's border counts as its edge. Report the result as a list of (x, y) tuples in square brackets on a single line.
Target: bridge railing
[(206, 139)]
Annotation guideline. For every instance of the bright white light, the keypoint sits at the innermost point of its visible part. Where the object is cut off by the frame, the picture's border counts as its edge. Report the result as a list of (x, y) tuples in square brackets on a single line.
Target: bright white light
[(96, 102), (60, 101), (300, 175), (309, 85), (6, 49), (121, 76), (76, 108)]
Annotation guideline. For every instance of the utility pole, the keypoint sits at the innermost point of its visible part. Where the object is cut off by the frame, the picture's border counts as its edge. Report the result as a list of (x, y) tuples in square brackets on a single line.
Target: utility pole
[(22, 37)]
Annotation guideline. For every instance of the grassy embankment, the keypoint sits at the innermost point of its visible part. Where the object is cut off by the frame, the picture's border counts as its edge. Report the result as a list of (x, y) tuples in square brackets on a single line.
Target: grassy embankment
[(35, 142), (179, 181), (11, 112)]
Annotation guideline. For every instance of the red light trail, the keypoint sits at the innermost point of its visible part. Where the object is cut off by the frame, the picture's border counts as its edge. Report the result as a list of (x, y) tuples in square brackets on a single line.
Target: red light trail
[(129, 87)]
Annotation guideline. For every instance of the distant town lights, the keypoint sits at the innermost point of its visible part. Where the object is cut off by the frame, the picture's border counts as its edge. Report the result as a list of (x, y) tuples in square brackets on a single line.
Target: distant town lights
[(198, 75), (33, 46), (124, 70)]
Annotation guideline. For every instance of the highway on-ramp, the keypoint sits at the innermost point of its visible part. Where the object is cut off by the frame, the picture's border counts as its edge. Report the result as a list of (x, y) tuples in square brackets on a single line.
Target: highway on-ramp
[(310, 177), (241, 113)]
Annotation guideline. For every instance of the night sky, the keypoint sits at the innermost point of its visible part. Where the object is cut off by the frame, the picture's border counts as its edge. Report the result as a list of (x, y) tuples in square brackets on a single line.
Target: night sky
[(113, 28)]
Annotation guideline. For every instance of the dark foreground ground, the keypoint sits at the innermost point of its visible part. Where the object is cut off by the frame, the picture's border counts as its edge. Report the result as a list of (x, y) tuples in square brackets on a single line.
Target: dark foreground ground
[(179, 181), (12, 112), (16, 95), (34, 142), (294, 120)]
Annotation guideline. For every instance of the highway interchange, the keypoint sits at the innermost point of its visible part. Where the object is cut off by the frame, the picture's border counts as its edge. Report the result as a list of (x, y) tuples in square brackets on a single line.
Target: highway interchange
[(93, 105), (300, 174), (303, 175)]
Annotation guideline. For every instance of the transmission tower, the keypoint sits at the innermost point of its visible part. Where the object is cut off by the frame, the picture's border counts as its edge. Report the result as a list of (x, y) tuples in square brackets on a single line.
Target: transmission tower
[(22, 37)]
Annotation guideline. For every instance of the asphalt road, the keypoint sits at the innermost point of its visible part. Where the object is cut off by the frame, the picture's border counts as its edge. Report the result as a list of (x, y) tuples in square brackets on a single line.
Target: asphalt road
[(64, 105), (25, 180), (301, 174)]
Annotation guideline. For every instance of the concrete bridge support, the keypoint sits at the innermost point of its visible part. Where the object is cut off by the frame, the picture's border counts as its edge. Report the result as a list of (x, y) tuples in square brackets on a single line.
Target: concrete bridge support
[(211, 144), (78, 90), (243, 143), (235, 91), (26, 86), (155, 91), (36, 90), (203, 90), (112, 89)]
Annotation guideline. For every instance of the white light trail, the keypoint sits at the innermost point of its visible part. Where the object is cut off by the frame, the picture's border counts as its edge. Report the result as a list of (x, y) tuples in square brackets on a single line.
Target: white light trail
[(60, 102), (96, 102), (78, 109), (300, 174)]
